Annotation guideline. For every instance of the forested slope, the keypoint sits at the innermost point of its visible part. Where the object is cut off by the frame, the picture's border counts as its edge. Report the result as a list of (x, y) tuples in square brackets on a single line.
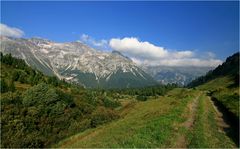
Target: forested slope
[(229, 68), (39, 111)]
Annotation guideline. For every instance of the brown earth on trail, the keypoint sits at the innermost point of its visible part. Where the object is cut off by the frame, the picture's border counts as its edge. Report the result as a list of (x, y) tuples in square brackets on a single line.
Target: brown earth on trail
[(220, 121), (192, 107)]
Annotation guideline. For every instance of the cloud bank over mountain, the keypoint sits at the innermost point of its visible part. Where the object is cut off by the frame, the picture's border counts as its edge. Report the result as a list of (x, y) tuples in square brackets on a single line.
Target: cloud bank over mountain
[(143, 52)]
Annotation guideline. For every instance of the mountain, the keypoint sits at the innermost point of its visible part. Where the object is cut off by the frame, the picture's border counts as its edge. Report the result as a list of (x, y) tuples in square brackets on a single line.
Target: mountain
[(229, 68), (179, 75), (77, 62)]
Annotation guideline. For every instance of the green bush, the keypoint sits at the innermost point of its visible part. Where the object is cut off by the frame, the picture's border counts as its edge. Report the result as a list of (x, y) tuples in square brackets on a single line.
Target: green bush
[(103, 115), (141, 98), (110, 103), (3, 86), (39, 94), (23, 78)]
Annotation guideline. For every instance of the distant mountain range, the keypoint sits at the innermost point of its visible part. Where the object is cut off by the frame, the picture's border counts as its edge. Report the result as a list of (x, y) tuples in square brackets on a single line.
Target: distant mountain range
[(77, 62), (179, 75)]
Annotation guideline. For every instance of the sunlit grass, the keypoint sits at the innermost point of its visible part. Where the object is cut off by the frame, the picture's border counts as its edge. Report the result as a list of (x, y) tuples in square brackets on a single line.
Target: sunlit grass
[(153, 123), (206, 133)]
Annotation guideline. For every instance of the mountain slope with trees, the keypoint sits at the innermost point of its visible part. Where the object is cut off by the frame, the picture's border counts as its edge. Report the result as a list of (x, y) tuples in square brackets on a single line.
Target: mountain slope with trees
[(39, 111), (229, 68)]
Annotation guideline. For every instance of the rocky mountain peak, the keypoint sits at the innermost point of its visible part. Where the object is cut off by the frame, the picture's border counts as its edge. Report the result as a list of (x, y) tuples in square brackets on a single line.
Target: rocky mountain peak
[(76, 62)]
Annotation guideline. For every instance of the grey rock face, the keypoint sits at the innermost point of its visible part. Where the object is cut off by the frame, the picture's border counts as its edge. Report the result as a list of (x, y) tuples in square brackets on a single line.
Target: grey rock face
[(77, 62)]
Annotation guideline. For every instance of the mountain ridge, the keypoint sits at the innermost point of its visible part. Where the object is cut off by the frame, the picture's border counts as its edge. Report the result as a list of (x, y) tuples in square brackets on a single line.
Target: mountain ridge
[(181, 75), (228, 68), (76, 62)]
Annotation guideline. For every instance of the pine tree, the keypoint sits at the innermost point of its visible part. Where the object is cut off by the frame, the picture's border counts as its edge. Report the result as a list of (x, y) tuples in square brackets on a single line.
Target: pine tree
[(3, 86), (11, 86)]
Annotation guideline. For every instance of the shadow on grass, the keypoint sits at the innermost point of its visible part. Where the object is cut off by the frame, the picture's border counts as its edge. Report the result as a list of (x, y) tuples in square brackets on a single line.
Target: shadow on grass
[(229, 118)]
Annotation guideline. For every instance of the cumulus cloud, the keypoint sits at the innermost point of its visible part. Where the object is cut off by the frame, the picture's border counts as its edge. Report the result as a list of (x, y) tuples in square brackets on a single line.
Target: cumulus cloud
[(10, 31), (133, 47), (101, 44), (149, 54)]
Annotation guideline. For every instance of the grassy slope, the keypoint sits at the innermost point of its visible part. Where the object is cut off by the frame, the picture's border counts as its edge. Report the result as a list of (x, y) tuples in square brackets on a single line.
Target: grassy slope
[(223, 89), (154, 123), (158, 123), (206, 132)]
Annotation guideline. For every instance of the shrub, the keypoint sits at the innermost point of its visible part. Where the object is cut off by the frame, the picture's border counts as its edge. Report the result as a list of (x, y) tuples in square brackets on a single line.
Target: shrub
[(39, 94), (110, 103), (23, 77), (3, 86), (141, 98), (11, 86), (103, 115)]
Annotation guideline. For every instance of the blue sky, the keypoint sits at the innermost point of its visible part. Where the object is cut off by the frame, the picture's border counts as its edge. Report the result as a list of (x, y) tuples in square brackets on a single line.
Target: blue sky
[(196, 26)]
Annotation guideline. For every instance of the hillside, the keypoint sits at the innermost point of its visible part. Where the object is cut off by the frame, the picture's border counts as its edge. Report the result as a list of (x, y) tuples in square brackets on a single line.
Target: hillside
[(39, 111), (222, 84), (229, 68), (182, 118)]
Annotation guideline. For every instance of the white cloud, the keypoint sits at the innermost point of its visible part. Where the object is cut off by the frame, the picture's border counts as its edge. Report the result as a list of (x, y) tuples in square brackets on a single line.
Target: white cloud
[(84, 37), (136, 61), (102, 44), (182, 54), (10, 31), (210, 54), (133, 47), (149, 54), (197, 62)]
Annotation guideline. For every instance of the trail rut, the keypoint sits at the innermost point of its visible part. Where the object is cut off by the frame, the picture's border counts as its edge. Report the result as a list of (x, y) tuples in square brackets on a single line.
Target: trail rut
[(182, 141), (226, 123)]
